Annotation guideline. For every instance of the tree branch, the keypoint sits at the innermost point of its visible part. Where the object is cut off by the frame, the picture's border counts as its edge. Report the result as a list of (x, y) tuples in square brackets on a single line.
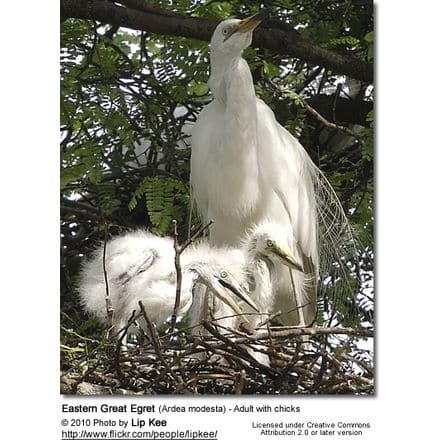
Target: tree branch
[(341, 109), (319, 117), (141, 16), (329, 124)]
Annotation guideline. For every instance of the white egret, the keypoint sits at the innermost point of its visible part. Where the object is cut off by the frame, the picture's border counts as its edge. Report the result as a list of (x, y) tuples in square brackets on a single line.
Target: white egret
[(268, 258), (140, 267), (254, 263), (246, 169), (262, 251)]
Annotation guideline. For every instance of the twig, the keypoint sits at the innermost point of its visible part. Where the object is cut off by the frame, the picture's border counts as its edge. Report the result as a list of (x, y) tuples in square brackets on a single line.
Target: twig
[(318, 115), (108, 302), (178, 252), (240, 350), (329, 124), (280, 313), (240, 380), (311, 331), (197, 234), (320, 375), (156, 344), (335, 100), (124, 331), (220, 349), (165, 367)]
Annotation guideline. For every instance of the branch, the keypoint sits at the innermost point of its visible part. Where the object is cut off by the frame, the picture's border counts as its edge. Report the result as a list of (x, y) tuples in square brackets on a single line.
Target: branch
[(178, 252), (341, 109), (329, 124), (310, 331), (318, 116), (122, 335), (239, 350), (143, 17), (108, 302), (197, 234), (157, 348), (80, 205)]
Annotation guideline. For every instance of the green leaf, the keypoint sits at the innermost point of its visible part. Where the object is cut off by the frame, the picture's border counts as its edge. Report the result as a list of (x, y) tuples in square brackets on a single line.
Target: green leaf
[(162, 198), (199, 89), (153, 47), (271, 69), (369, 38)]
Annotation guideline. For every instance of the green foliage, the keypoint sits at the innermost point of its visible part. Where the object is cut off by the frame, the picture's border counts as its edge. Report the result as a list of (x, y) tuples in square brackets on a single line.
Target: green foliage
[(128, 100), (346, 41), (271, 70), (164, 199), (368, 135), (198, 89), (369, 38), (75, 347)]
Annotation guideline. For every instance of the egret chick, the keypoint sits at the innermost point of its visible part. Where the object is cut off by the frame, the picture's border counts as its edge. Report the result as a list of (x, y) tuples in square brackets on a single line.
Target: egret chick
[(261, 257), (140, 267), (264, 255)]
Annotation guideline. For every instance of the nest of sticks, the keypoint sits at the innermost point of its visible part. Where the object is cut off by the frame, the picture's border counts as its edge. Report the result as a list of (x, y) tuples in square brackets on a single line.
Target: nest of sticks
[(313, 360), (218, 360)]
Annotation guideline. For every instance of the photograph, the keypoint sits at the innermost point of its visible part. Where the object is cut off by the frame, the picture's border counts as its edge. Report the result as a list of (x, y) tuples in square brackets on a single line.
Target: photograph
[(217, 200)]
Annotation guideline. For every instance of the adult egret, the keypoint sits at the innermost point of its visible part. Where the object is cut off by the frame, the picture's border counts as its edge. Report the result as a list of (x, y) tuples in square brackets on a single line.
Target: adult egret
[(140, 266), (246, 168)]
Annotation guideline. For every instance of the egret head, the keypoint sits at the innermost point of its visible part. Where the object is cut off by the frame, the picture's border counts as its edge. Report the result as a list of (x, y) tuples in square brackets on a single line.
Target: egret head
[(222, 284), (265, 241), (233, 36)]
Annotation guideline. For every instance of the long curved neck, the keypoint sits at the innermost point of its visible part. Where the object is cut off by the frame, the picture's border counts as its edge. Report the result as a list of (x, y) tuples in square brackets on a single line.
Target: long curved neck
[(233, 89), (261, 270), (234, 118), (231, 82)]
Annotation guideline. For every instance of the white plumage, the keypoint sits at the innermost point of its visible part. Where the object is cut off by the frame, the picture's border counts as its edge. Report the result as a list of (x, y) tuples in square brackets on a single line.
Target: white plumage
[(262, 252), (140, 267), (255, 264), (247, 169)]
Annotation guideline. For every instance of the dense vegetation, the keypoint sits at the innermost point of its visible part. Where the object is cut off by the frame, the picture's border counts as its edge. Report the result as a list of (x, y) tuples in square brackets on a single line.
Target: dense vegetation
[(133, 79)]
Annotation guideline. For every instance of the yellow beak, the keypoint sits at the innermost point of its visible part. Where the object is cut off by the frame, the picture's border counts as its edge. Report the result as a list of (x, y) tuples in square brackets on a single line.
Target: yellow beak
[(250, 23), (240, 292), (284, 256), (223, 296)]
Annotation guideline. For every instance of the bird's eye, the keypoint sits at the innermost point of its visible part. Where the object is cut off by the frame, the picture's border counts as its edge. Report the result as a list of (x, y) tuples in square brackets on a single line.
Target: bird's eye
[(225, 31), (269, 243), (223, 274)]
